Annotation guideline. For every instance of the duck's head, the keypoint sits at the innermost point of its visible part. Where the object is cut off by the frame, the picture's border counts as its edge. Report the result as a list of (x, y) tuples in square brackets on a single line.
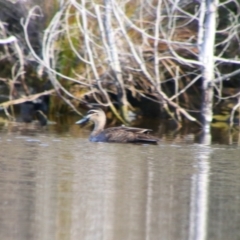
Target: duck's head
[(94, 115)]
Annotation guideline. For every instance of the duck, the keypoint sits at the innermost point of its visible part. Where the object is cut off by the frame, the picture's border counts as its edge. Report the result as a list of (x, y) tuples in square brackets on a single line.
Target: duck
[(121, 134)]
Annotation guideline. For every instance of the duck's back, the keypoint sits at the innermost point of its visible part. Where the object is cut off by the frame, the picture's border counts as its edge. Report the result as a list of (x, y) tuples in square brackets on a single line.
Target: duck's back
[(124, 135)]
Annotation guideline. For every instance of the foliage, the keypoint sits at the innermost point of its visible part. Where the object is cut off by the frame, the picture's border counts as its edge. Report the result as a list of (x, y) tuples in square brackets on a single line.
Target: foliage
[(115, 51)]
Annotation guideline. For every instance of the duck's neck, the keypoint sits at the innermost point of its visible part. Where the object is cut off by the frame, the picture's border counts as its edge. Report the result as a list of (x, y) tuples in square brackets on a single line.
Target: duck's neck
[(98, 127)]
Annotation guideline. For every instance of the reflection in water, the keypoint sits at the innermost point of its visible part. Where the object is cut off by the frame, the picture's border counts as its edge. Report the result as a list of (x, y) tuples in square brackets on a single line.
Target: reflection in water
[(206, 138), (199, 196), (60, 186)]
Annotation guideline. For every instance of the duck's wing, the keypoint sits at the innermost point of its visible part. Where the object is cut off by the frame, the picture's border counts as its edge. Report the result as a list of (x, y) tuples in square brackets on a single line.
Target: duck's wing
[(126, 134), (134, 129), (146, 138)]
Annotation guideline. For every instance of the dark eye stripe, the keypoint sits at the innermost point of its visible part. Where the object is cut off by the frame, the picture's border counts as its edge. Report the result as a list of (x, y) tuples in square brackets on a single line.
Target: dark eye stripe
[(93, 111)]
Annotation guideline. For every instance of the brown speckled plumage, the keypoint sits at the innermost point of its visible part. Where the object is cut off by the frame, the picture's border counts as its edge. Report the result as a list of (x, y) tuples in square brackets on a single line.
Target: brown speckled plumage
[(120, 134)]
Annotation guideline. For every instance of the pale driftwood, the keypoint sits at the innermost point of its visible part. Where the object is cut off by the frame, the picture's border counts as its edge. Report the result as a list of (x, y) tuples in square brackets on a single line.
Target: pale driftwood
[(25, 98)]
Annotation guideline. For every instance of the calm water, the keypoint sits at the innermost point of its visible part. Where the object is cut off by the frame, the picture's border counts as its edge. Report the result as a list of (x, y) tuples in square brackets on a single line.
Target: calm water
[(54, 184)]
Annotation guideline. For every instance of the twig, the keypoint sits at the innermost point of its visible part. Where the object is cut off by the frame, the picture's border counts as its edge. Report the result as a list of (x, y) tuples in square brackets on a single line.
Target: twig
[(39, 60), (10, 39), (91, 60)]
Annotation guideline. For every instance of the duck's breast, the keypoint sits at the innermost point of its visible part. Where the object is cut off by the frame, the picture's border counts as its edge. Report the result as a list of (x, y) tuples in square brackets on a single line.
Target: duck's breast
[(98, 138)]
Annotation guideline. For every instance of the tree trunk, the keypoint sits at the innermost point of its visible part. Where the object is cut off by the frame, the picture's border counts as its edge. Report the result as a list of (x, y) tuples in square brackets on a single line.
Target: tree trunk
[(207, 30), (114, 59)]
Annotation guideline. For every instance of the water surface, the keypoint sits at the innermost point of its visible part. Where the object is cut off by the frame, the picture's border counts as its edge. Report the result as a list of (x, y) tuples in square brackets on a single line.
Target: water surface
[(55, 184)]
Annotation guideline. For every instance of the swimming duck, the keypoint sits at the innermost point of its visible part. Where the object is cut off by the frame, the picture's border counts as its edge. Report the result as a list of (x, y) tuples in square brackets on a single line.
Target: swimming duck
[(121, 134)]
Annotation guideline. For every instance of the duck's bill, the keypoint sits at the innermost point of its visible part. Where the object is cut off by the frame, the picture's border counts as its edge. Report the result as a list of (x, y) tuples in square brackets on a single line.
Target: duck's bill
[(82, 121)]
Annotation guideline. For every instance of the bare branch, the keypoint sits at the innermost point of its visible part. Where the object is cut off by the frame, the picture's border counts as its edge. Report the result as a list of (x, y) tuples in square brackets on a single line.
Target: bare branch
[(10, 39), (25, 99)]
